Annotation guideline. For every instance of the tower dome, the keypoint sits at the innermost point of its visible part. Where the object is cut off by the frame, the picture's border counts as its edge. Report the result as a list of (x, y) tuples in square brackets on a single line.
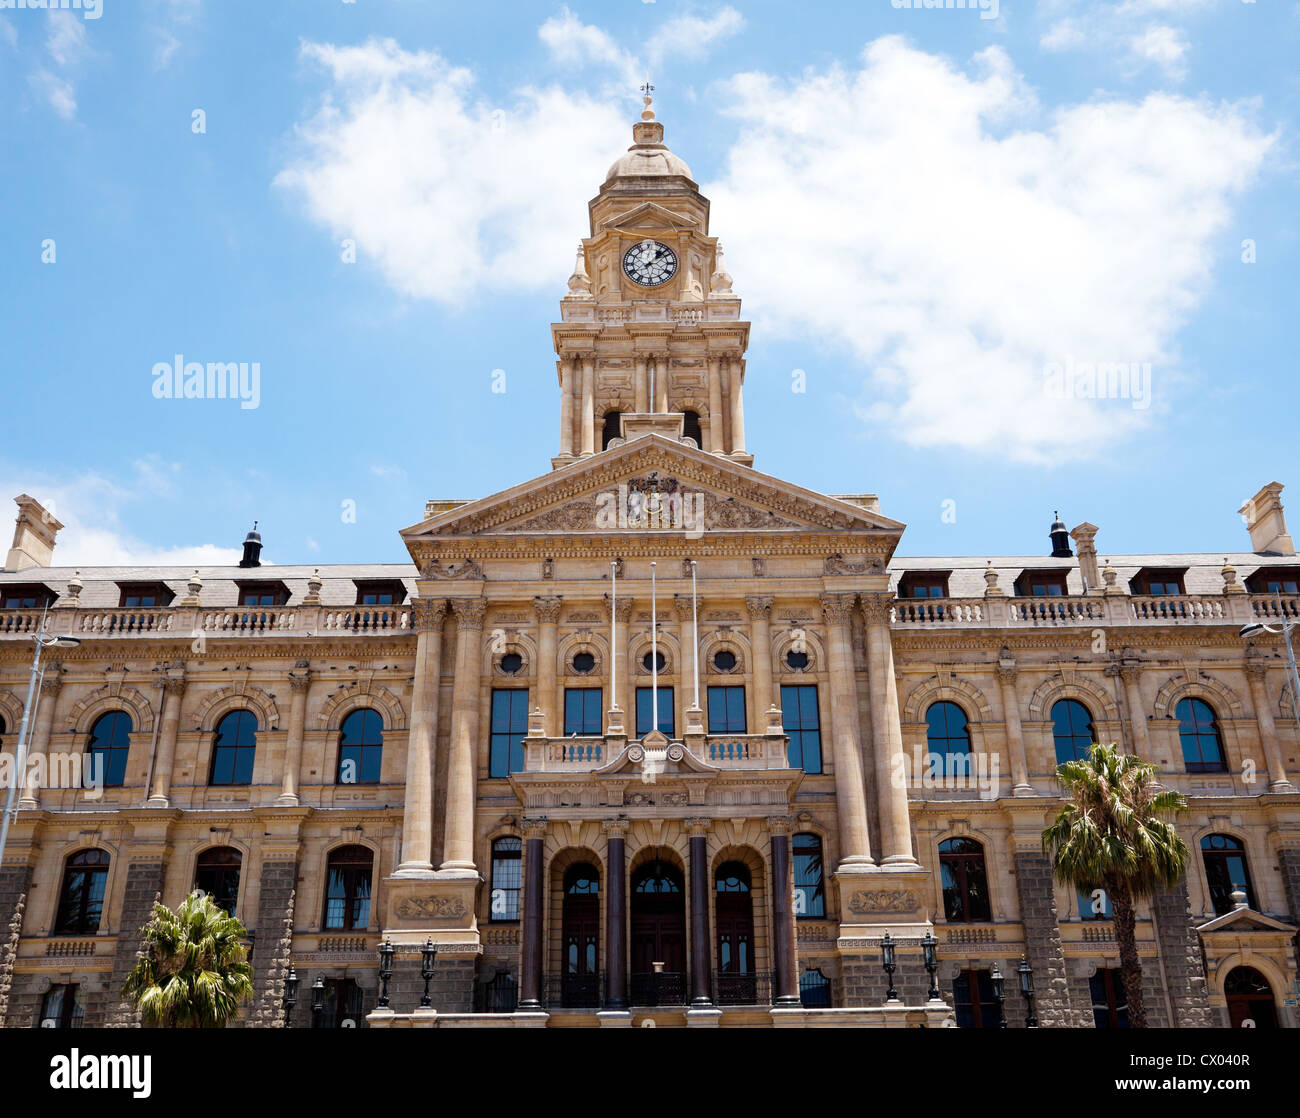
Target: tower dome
[(649, 155)]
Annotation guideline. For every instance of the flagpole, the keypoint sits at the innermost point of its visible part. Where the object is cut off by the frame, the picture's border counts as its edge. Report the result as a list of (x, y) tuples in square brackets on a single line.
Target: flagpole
[(654, 654)]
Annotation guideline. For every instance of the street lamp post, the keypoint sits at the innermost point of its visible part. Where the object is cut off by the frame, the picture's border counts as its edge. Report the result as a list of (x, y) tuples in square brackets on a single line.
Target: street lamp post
[(999, 996), (43, 640), (1026, 973), (290, 996), (888, 965), (317, 1001)]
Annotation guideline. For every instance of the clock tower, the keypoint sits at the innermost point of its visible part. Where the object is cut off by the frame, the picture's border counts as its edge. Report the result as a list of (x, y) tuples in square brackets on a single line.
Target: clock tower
[(650, 338)]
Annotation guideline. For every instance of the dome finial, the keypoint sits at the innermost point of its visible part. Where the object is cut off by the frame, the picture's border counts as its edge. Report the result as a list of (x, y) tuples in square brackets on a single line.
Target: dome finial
[(646, 89)]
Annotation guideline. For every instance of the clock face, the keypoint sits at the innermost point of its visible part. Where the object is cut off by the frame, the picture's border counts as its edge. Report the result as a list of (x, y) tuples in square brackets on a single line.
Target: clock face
[(650, 263)]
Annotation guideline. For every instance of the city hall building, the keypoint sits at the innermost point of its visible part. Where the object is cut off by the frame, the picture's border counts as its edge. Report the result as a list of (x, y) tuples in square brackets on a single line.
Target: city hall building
[(652, 735)]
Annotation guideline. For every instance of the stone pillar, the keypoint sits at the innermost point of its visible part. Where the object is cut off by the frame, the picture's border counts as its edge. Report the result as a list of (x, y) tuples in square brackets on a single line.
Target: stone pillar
[(737, 408), (616, 915), (1130, 671), (715, 405), (173, 695), (760, 643), (685, 688), (1288, 862), (701, 951), (417, 811), (850, 792), (661, 383), (622, 676), (530, 956), (1020, 786), (1037, 898), (458, 835), (588, 407), (568, 376), (785, 981), (143, 885), (1180, 950), (277, 882), (887, 735), (548, 613), (642, 387), (39, 745), (1086, 549), (1278, 781)]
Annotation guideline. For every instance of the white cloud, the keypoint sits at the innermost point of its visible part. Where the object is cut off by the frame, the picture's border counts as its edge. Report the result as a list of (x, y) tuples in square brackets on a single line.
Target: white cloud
[(67, 46), (383, 470), (685, 38), (690, 37), (66, 41), (573, 42), (447, 194), (59, 92), (956, 263), (1165, 46), (1110, 28)]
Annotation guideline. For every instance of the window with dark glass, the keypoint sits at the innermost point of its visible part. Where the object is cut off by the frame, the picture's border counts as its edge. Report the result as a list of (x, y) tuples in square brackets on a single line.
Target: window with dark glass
[(582, 713), (726, 710), (800, 721), (1157, 581), (512, 663), (27, 597), (1093, 904), (923, 584), (1072, 731), (263, 593), (965, 882), (814, 990), (344, 1005), (217, 875), (234, 748), (809, 879), (361, 748), (347, 889), (1109, 1002), (691, 427), (583, 662), (734, 911), (81, 899), (507, 878), (62, 1008), (659, 659), (796, 661), (143, 595), (380, 592), (509, 728), (1198, 731), (108, 748), (1274, 580), (1226, 870), (611, 429), (643, 711), (1041, 584), (973, 1002), (724, 660), (946, 731)]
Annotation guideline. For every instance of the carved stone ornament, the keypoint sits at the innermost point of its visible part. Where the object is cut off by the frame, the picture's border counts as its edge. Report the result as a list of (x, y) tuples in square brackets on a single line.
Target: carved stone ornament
[(469, 612), (467, 569), (434, 908), (837, 608), (882, 900), (838, 565)]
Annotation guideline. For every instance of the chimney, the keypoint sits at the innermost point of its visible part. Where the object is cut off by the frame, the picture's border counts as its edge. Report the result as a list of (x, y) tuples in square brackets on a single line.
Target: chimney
[(1060, 539), (1265, 521), (34, 533), (1084, 540), (252, 548)]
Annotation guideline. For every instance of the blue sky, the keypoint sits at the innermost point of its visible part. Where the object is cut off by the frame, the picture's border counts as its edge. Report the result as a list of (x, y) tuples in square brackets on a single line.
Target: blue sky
[(926, 211)]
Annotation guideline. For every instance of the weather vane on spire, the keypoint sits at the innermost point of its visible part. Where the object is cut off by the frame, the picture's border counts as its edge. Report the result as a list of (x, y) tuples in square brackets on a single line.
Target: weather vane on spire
[(646, 89)]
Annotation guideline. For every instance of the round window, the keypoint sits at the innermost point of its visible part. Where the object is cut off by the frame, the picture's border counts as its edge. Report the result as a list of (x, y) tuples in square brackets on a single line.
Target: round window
[(660, 662), (584, 662), (724, 660), (511, 663), (796, 661)]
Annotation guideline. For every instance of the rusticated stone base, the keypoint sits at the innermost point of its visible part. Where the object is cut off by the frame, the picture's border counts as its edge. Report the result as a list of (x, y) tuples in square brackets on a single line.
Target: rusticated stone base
[(1180, 953), (1037, 898)]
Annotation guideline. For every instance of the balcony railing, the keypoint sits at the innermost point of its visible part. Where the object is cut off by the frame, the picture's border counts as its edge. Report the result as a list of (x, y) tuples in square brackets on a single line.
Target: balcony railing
[(658, 988), (721, 751), (573, 991), (742, 989), (1117, 610)]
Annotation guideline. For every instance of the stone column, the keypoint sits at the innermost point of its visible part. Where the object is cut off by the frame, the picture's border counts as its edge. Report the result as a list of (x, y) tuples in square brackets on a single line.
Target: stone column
[(1278, 781), (616, 916), (685, 689), (458, 835), (417, 810), (548, 613), (568, 375), (1037, 897), (701, 952), (737, 408), (530, 955), (622, 677), (850, 792), (39, 745), (760, 643), (887, 735), (715, 405), (642, 387), (785, 982), (1180, 948), (161, 787), (1006, 670), (1130, 671), (661, 383), (588, 417)]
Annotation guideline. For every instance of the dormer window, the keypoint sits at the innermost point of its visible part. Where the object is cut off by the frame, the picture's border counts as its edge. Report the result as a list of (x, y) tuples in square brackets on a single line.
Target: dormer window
[(380, 591), (1158, 581), (1041, 584), (1274, 580), (923, 584), (143, 595), (31, 596), (262, 593)]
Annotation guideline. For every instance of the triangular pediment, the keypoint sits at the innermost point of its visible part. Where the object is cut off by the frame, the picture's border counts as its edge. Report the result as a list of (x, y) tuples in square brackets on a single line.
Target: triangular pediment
[(697, 491), (1246, 920), (648, 215)]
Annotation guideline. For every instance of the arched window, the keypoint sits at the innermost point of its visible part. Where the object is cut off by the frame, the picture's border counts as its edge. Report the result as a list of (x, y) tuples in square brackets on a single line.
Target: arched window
[(1226, 869), (581, 931), (347, 889), (814, 990), (691, 427), (361, 748), (507, 877), (217, 875), (612, 429), (1198, 730), (946, 731), (234, 748), (1072, 731), (658, 935), (1109, 999), (106, 752), (81, 900), (809, 885), (965, 882), (1250, 998)]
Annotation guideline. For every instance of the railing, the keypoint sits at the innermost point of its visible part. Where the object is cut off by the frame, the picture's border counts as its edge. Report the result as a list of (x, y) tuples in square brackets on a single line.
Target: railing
[(745, 751), (373, 620), (251, 620), (117, 622), (937, 611), (1055, 611), (1178, 608), (742, 989), (658, 988), (188, 621), (573, 991), (1266, 607), (1116, 610), (501, 995), (20, 621)]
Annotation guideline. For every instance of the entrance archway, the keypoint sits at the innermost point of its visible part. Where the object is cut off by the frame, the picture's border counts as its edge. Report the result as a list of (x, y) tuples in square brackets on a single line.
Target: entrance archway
[(1250, 997), (658, 935), (580, 975), (737, 982)]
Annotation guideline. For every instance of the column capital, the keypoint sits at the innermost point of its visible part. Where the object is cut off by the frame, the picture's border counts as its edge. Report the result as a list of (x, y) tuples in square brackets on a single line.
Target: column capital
[(1256, 669), (428, 613), (548, 609), (837, 608), (534, 827), (469, 613), (682, 608), (778, 824), (698, 826), (300, 682), (759, 606), (622, 608), (615, 828), (52, 684), (174, 684), (1006, 670), (876, 608), (1130, 671)]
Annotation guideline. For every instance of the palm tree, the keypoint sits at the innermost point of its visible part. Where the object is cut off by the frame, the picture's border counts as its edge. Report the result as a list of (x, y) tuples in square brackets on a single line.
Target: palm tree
[(1115, 834), (193, 970)]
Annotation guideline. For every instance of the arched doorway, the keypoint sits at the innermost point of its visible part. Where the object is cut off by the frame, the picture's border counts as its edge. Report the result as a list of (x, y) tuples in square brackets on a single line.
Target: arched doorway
[(737, 982), (581, 966), (1250, 997), (658, 935)]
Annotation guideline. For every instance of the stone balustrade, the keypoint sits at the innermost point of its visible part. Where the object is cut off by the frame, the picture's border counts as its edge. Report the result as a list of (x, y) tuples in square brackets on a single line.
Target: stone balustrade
[(187, 622), (1087, 612)]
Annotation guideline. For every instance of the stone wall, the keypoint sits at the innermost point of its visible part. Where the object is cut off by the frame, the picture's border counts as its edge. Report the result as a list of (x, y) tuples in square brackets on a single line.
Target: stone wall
[(278, 881), (1288, 861), (1180, 953), (1037, 897), (144, 882)]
